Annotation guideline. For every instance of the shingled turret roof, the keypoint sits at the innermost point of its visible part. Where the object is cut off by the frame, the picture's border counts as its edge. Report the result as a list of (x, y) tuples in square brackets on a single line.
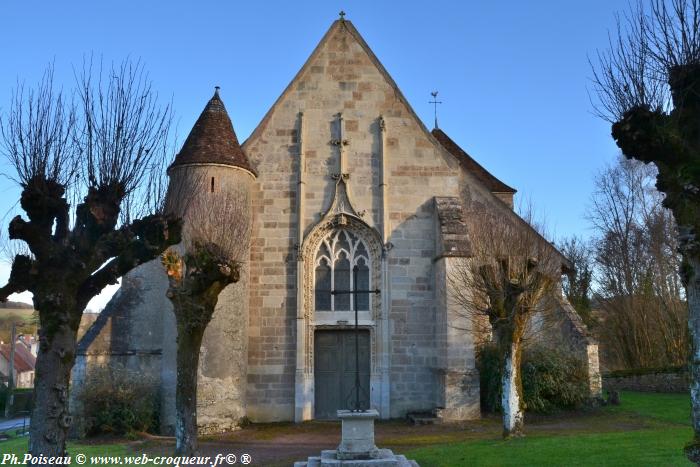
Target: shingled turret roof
[(212, 139), (472, 166)]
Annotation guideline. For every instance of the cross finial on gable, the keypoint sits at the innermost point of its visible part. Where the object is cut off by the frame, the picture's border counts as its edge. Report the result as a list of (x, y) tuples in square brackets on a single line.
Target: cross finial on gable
[(342, 15)]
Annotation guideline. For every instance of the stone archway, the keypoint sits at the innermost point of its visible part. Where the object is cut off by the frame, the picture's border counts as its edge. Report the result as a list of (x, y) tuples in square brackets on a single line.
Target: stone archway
[(308, 320)]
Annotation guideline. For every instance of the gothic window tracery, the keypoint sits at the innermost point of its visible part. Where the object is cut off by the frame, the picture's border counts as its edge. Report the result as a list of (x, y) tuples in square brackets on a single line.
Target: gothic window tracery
[(339, 252)]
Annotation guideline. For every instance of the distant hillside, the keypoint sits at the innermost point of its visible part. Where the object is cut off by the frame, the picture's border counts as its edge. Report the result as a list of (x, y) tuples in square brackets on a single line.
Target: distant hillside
[(16, 305), (17, 312)]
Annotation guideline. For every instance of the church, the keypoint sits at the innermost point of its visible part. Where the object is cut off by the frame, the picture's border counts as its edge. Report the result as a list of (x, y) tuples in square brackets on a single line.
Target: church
[(349, 191)]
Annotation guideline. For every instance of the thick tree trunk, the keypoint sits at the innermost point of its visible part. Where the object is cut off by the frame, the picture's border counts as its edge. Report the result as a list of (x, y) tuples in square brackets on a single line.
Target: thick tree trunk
[(512, 388), (50, 415), (693, 293), (189, 340)]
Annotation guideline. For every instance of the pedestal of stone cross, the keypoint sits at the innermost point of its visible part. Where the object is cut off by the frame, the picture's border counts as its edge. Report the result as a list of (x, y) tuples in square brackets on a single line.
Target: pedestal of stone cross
[(357, 438), (357, 447)]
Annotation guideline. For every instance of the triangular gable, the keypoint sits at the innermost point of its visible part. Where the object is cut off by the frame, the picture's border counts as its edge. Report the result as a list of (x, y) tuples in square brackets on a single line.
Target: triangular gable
[(350, 28)]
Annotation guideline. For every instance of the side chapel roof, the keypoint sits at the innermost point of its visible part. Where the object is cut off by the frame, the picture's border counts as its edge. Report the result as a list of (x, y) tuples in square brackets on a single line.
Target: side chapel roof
[(470, 165)]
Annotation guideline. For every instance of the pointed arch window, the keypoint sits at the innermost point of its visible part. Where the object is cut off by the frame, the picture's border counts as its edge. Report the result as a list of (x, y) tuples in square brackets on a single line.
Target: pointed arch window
[(336, 257)]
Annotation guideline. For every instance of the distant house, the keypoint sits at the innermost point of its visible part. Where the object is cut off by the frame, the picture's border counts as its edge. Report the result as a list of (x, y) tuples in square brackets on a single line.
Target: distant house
[(31, 342), (25, 362)]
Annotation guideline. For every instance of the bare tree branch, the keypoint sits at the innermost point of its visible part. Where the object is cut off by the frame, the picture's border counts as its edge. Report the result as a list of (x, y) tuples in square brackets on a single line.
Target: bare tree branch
[(627, 74), (37, 134), (125, 129)]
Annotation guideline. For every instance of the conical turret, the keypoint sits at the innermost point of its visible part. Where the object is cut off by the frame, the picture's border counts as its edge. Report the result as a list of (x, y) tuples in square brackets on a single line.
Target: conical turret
[(213, 140)]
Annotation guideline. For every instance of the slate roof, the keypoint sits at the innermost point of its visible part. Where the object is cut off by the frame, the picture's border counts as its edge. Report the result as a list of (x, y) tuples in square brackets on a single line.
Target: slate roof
[(213, 140), (469, 164)]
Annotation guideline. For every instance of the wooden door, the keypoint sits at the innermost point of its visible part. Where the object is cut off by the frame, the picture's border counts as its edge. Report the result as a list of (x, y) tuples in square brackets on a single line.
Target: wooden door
[(334, 367)]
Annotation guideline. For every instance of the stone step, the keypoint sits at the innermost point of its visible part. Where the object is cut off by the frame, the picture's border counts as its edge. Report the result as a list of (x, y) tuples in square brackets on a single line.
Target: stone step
[(403, 462), (314, 461), (386, 458), (423, 418), (362, 463)]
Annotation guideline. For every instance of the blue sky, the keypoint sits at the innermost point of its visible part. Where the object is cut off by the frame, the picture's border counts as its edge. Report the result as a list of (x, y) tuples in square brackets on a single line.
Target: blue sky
[(513, 75)]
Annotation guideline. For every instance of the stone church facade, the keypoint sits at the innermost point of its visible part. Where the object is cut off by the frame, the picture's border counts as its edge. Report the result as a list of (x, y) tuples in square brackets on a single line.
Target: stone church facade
[(346, 184)]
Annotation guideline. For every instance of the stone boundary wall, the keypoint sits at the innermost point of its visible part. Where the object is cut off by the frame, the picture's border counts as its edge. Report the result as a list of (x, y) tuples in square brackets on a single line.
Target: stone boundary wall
[(669, 381)]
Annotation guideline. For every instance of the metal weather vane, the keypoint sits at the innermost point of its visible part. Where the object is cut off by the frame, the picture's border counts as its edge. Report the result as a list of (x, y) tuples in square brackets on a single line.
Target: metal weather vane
[(435, 103)]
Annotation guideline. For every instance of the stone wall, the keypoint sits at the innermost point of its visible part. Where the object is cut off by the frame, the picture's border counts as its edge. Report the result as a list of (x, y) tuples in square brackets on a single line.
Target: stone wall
[(561, 327), (662, 381), (108, 340), (147, 346)]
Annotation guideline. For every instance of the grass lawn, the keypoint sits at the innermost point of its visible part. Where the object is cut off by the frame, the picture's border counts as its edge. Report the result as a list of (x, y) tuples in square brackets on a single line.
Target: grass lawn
[(19, 446), (663, 428)]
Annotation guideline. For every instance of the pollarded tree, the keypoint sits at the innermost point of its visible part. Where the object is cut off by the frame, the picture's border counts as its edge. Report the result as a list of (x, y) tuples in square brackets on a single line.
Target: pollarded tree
[(216, 233), (506, 282), (648, 83), (101, 154)]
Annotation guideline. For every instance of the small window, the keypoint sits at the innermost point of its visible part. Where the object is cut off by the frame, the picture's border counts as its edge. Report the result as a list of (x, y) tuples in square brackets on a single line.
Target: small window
[(212, 184)]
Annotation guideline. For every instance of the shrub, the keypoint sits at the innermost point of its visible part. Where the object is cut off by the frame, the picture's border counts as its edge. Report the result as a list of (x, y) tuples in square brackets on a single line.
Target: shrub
[(22, 400), (552, 379), (117, 400)]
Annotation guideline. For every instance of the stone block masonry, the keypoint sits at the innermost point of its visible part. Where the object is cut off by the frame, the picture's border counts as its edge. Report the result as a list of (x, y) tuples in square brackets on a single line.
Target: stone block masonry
[(677, 381)]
